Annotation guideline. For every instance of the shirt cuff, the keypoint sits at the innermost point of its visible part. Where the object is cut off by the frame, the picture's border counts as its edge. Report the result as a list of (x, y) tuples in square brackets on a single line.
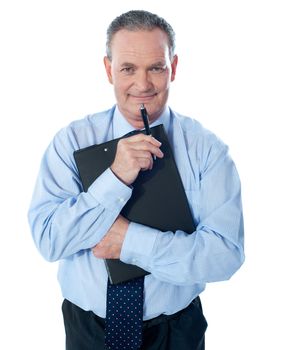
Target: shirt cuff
[(109, 191), (138, 245)]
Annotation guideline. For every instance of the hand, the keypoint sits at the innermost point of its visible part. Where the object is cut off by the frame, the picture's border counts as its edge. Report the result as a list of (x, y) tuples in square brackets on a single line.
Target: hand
[(110, 246), (134, 154)]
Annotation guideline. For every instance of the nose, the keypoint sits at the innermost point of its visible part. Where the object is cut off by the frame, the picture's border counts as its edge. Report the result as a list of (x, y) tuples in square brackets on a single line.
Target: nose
[(143, 82)]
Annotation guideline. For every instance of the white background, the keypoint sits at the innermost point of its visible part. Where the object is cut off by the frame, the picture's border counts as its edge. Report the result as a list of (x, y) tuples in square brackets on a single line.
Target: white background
[(229, 78)]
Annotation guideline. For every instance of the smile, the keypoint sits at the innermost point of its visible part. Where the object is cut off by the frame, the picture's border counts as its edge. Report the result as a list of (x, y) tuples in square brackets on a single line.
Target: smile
[(143, 98)]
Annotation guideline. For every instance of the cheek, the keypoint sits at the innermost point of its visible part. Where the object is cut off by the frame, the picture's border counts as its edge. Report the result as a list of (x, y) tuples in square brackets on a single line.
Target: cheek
[(121, 90), (163, 87), (121, 85), (163, 82)]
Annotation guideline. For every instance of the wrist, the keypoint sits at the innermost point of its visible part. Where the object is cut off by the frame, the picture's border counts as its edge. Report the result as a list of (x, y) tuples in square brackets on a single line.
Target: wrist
[(116, 174)]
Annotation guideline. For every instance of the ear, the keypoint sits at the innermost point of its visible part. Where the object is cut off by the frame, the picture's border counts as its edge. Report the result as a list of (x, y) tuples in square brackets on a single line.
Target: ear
[(108, 67), (173, 67)]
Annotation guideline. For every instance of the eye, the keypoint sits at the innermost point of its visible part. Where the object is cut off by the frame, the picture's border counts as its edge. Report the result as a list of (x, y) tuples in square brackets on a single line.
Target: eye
[(158, 69), (128, 70)]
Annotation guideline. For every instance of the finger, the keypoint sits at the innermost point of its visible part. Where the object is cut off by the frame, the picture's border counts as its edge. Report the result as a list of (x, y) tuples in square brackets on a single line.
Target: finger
[(145, 163), (142, 159), (142, 137), (148, 147), (136, 153), (100, 251), (109, 252)]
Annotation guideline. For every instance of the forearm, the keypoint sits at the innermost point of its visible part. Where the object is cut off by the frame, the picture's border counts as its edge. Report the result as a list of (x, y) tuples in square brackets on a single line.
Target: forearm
[(181, 259), (62, 228), (214, 251)]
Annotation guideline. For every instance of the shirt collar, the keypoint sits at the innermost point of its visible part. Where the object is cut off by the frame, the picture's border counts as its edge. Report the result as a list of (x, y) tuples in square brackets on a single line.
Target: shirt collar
[(122, 127)]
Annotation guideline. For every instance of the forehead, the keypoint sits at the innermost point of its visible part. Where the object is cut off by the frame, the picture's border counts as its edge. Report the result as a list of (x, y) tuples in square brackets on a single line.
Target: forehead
[(140, 44)]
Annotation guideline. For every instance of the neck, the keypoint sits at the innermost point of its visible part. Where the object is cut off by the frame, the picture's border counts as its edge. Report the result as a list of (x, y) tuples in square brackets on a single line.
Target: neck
[(136, 120)]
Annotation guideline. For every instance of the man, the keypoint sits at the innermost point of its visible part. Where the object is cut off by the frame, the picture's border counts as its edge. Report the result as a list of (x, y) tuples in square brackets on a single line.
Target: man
[(82, 228)]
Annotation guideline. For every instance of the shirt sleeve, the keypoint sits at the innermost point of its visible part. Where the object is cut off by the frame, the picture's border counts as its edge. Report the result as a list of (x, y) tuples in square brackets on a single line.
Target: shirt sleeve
[(63, 219), (215, 250)]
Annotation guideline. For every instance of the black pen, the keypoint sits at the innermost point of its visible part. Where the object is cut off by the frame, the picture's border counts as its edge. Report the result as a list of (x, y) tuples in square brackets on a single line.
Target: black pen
[(146, 122), (145, 119)]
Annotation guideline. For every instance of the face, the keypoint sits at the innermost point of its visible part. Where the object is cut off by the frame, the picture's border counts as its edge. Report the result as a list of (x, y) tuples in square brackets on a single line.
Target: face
[(140, 71)]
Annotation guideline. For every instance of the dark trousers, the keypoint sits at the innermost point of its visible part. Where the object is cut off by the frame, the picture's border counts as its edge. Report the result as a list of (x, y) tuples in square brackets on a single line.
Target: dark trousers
[(184, 330)]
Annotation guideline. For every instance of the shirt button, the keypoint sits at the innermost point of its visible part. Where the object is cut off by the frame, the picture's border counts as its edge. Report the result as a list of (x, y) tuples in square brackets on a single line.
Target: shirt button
[(121, 200)]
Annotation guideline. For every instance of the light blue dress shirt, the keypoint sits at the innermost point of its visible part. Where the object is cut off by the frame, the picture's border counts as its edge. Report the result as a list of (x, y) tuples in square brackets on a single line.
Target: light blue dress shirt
[(67, 222)]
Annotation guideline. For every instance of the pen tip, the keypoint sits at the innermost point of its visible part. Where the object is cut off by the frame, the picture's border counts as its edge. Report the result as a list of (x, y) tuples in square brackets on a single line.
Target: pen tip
[(142, 106)]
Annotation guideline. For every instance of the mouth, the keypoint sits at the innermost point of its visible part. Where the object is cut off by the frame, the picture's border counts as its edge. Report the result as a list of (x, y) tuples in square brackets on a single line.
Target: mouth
[(143, 98)]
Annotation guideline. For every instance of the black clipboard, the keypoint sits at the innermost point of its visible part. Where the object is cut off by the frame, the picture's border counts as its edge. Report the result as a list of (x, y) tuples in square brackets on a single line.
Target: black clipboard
[(158, 199)]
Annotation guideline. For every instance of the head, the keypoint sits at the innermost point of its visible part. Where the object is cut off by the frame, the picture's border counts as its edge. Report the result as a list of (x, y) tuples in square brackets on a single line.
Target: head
[(140, 63)]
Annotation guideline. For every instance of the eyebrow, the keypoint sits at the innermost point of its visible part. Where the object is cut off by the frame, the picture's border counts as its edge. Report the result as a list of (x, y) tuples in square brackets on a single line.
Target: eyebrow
[(128, 64), (156, 64)]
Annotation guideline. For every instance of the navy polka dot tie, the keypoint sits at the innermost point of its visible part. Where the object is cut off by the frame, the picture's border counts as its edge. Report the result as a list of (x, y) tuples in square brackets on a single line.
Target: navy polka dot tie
[(124, 315)]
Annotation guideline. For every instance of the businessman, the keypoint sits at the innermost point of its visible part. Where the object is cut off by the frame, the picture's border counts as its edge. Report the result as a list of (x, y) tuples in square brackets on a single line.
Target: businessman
[(80, 229)]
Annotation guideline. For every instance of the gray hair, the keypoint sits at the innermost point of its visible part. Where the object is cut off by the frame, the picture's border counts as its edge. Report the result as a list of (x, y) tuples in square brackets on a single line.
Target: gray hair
[(139, 20)]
